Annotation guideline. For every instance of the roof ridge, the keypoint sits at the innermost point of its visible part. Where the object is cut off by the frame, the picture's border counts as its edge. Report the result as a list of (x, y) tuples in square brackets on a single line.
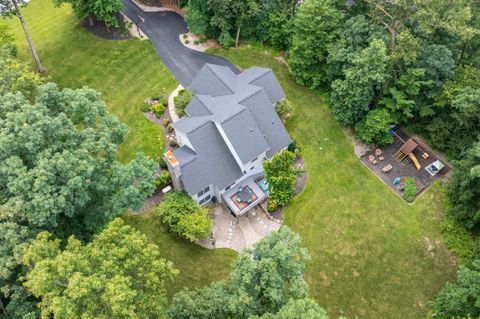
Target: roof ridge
[(258, 89), (208, 65)]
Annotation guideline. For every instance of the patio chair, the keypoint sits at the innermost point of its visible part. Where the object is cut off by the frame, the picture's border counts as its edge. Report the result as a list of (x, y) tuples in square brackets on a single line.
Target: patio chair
[(378, 152)]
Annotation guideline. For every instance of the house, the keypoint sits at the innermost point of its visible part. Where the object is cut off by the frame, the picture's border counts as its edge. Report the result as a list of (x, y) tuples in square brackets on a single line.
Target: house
[(231, 127)]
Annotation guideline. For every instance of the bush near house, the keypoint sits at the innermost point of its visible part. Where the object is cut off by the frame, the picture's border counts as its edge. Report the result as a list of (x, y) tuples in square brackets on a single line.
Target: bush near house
[(158, 109), (281, 177), (410, 189), (185, 216), (163, 179), (284, 110), (181, 101)]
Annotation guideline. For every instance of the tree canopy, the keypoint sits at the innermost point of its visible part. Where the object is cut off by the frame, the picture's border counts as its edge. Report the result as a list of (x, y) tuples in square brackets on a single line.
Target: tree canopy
[(460, 299), (59, 173), (117, 275), (185, 216), (103, 10), (314, 29), (60, 168), (281, 177), (267, 279)]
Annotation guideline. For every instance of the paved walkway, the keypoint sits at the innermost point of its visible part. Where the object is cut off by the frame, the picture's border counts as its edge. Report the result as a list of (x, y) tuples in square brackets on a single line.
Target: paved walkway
[(227, 233), (163, 29)]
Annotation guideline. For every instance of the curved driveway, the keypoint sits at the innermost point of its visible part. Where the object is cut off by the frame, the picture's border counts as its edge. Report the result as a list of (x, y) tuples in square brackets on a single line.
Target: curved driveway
[(163, 29)]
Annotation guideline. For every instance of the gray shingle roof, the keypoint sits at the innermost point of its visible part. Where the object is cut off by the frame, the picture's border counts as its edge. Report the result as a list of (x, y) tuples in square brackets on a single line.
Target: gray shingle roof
[(229, 109), (213, 162), (245, 136)]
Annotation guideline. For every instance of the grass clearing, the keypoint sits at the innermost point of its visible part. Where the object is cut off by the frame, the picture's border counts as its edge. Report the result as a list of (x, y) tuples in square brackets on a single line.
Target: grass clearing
[(125, 72), (373, 255)]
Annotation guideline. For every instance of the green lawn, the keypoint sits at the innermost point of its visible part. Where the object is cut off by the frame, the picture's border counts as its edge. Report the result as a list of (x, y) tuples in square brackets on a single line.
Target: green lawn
[(368, 247), (125, 72)]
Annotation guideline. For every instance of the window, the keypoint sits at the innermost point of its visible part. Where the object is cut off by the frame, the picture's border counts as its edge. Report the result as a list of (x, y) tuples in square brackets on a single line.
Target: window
[(203, 192), (203, 201), (251, 168), (254, 159)]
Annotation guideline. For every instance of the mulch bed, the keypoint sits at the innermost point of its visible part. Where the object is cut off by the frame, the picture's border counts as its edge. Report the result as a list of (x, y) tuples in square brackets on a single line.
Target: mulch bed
[(99, 29)]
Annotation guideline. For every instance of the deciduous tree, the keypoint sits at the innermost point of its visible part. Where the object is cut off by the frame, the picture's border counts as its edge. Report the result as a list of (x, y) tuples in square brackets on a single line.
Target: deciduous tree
[(297, 309), (281, 177), (353, 95), (60, 168), (264, 279), (464, 189), (185, 216), (374, 129), (118, 275), (460, 299), (315, 27)]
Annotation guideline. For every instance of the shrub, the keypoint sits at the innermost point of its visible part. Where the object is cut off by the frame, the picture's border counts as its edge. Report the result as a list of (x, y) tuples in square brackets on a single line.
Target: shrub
[(410, 189), (272, 205), (163, 100), (203, 40), (281, 176), (294, 148), (162, 163), (170, 128), (185, 36), (163, 179), (196, 42), (187, 41), (146, 107), (185, 216), (173, 143), (181, 101), (284, 110), (195, 226), (166, 122), (158, 109)]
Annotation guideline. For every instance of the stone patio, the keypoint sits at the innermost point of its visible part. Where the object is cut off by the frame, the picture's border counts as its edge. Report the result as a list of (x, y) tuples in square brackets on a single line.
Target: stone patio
[(228, 233)]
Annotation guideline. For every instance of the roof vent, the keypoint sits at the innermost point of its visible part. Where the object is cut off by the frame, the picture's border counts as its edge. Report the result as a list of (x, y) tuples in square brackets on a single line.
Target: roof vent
[(251, 130)]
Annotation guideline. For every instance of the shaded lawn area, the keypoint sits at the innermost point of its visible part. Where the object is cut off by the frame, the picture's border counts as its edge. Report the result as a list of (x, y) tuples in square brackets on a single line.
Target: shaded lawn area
[(370, 250), (125, 72)]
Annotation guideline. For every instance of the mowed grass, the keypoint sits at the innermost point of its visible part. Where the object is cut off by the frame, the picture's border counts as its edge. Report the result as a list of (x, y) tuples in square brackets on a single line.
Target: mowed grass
[(370, 250), (198, 266), (125, 73)]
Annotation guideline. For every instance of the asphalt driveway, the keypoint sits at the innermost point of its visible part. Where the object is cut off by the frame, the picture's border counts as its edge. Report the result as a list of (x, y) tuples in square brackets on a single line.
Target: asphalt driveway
[(163, 29)]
